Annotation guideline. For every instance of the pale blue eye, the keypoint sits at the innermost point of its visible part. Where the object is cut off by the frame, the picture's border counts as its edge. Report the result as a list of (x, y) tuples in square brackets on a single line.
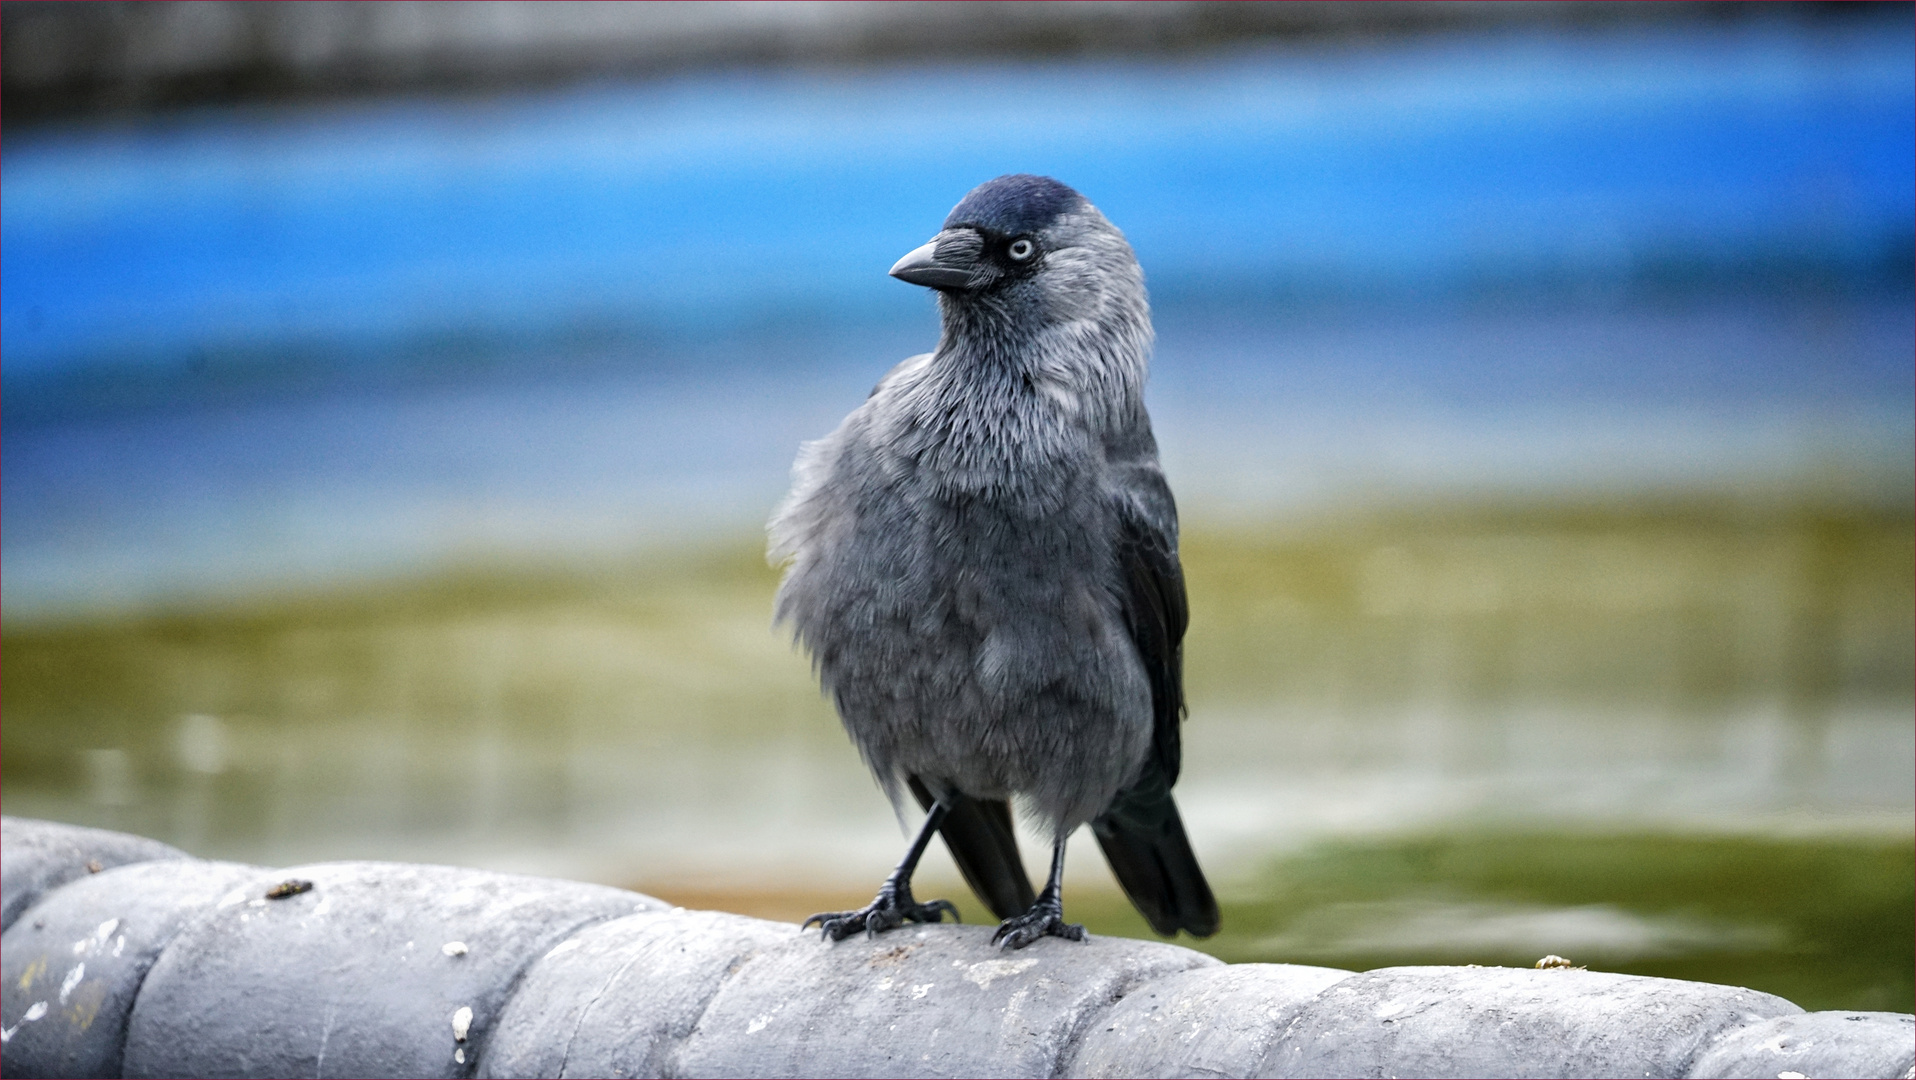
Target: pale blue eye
[(1020, 249)]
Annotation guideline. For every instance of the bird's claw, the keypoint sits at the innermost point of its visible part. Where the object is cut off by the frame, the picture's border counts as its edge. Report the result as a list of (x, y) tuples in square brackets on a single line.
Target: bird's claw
[(1043, 920), (829, 921), (887, 911), (935, 910)]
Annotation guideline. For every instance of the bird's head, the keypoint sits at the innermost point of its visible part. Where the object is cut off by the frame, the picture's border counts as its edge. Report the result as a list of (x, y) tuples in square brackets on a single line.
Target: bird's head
[(1030, 249)]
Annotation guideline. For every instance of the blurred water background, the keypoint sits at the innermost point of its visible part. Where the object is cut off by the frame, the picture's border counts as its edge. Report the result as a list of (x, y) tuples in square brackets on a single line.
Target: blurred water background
[(388, 416)]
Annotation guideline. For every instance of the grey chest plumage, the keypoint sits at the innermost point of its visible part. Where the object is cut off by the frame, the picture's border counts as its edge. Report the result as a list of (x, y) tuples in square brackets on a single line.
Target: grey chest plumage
[(958, 589)]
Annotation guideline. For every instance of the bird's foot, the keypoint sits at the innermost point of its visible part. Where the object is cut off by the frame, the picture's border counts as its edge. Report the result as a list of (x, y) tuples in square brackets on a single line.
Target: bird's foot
[(892, 907), (1045, 919)]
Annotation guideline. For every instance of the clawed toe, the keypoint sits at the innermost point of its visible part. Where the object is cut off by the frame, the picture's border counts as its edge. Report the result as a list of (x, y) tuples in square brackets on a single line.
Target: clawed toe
[(822, 918), (1016, 933), (888, 911), (837, 925)]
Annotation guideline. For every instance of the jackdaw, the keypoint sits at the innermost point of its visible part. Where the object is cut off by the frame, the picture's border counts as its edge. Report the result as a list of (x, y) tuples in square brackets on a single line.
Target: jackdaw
[(982, 561)]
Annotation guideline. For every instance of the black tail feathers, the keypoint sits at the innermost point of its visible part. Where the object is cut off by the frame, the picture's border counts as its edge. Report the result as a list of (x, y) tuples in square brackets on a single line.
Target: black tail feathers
[(1143, 840), (982, 843)]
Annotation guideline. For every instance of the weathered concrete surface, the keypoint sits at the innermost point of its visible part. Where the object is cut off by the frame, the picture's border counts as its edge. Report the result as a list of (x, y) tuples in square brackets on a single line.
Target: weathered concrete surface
[(179, 967), (1833, 1044), (364, 974), (44, 855), (78, 959), (934, 1000), (619, 998), (1487, 1022), (1218, 1021)]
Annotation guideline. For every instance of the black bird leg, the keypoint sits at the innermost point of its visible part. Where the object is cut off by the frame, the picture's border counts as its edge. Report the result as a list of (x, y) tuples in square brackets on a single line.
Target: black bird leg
[(894, 905), (1046, 916)]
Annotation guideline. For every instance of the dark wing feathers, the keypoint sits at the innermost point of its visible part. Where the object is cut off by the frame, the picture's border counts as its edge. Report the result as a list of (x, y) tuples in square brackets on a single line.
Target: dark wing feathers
[(1141, 833), (1156, 611)]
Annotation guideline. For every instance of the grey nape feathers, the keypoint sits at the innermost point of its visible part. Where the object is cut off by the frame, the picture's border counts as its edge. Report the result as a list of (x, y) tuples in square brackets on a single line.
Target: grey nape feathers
[(983, 563)]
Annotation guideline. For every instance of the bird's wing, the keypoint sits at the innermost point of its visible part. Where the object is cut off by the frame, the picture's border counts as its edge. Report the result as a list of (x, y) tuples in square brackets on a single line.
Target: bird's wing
[(1153, 601), (1141, 832)]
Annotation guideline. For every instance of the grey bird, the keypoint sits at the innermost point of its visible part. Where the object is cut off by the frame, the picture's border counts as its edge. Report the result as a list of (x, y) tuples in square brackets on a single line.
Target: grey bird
[(982, 561)]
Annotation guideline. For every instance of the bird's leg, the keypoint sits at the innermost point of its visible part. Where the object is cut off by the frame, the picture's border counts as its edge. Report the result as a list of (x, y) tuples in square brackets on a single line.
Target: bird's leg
[(894, 905), (1046, 916)]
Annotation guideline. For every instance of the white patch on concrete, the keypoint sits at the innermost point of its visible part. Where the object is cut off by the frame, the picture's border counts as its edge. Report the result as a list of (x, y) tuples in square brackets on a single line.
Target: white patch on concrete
[(325, 905), (34, 1012), (237, 896), (459, 1055), (1014, 1020), (565, 946), (119, 945), (461, 1023), (97, 940), (72, 980), (758, 1025), (918, 992), (458, 948), (985, 972)]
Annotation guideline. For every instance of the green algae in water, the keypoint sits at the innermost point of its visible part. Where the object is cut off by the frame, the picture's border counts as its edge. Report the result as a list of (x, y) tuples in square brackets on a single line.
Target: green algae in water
[(506, 711), (1825, 921)]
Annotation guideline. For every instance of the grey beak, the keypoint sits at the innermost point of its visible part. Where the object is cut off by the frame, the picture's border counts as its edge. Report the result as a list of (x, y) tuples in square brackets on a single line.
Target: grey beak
[(920, 266)]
